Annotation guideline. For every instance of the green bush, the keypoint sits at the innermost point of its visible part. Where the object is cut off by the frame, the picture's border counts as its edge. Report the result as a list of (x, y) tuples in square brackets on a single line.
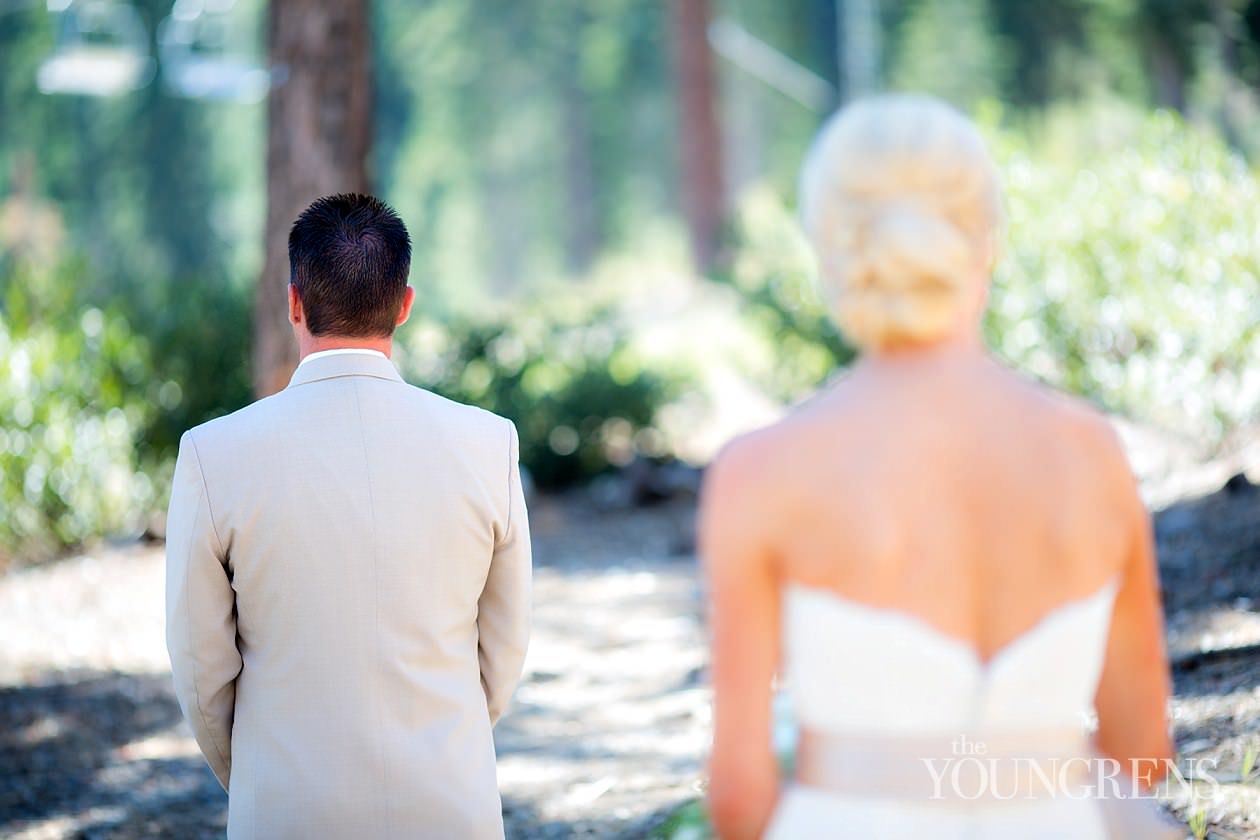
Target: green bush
[(580, 396), (688, 822), (99, 385), (1130, 272), (72, 405), (772, 269), (199, 331)]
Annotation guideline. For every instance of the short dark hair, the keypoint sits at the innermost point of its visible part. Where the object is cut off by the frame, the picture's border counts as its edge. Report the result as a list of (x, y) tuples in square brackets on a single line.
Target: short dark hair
[(349, 257)]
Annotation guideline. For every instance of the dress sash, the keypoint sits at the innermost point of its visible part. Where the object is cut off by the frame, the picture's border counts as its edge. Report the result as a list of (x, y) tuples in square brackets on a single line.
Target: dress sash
[(974, 772)]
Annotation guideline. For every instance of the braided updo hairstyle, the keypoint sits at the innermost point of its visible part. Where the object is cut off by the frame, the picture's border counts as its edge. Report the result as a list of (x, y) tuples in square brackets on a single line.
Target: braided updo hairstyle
[(900, 200)]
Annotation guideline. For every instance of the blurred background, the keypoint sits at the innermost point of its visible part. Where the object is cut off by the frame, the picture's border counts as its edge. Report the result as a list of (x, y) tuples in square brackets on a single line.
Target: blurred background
[(602, 201)]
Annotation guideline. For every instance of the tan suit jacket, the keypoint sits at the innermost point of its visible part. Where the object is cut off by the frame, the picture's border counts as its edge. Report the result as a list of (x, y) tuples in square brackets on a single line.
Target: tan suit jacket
[(348, 571)]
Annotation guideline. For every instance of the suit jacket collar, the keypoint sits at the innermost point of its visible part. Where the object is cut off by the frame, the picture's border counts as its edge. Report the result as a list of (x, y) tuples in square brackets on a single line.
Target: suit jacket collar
[(346, 364)]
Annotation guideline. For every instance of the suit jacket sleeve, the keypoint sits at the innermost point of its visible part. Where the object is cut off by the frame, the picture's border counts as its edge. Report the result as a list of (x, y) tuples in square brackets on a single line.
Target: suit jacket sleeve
[(503, 609), (200, 614)]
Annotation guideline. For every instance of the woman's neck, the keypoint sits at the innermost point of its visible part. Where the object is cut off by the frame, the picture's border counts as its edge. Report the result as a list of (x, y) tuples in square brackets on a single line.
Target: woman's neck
[(963, 349)]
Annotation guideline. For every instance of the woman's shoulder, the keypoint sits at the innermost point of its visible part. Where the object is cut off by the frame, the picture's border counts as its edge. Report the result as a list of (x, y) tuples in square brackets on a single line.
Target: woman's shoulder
[(745, 480), (1075, 414), (762, 452), (761, 471), (1077, 425), (743, 461)]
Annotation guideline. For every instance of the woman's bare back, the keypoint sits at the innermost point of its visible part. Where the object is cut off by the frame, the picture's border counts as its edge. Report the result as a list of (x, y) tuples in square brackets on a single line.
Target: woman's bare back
[(951, 489)]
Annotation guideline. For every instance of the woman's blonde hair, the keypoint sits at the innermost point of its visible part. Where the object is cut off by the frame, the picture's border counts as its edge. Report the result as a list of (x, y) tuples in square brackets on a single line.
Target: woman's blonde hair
[(900, 200)]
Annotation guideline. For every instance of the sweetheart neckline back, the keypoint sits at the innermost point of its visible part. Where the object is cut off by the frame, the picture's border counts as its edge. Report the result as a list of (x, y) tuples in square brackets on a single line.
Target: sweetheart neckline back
[(1106, 591)]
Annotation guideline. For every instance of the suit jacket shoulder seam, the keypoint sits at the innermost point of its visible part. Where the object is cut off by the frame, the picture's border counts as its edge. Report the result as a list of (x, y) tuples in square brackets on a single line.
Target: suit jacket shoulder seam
[(205, 490), (507, 527)]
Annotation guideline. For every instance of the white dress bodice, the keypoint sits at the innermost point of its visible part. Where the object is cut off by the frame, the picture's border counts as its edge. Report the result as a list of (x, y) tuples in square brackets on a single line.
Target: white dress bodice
[(851, 666), (873, 672)]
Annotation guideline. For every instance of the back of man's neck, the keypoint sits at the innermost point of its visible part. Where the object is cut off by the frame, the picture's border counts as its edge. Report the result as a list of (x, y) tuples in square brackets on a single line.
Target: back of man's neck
[(384, 346)]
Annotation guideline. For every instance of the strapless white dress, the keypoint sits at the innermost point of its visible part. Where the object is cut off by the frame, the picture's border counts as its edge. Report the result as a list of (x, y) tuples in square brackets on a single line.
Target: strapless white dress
[(870, 676)]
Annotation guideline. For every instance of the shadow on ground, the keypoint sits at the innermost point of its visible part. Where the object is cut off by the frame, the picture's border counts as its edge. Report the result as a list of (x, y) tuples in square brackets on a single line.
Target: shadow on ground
[(96, 754)]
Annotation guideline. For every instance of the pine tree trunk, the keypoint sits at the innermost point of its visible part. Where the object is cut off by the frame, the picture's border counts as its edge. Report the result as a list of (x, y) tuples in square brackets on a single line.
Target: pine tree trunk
[(318, 135), (700, 135), (1168, 75), (860, 35)]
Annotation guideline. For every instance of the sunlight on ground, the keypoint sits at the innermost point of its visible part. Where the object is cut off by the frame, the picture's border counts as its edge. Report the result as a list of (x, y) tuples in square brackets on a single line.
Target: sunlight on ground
[(103, 610)]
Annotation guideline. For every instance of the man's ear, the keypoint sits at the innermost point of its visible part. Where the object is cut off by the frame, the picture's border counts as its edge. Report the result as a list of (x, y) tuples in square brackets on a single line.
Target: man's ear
[(295, 306), (409, 298)]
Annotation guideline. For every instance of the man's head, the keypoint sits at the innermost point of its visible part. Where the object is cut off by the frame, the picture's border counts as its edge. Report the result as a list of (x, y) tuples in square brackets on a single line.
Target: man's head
[(349, 257)]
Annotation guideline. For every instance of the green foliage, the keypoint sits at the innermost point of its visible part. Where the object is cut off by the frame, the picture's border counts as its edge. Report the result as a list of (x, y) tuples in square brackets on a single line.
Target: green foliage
[(521, 138), (689, 822), (198, 329), (72, 399), (950, 48), (1131, 273), (773, 270), (147, 184), (1198, 823), (97, 392), (125, 215), (1249, 762), (580, 396)]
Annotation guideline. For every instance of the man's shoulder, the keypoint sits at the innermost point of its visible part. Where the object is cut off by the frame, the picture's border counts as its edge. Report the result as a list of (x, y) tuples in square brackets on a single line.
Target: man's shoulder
[(460, 424), (256, 414), (272, 415), (462, 413)]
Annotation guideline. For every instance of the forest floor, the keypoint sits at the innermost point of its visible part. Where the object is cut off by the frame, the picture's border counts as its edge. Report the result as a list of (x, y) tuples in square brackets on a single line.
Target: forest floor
[(606, 735)]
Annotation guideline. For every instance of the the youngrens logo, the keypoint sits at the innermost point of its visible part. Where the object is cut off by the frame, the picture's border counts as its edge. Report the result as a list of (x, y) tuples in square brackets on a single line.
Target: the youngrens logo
[(973, 771)]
